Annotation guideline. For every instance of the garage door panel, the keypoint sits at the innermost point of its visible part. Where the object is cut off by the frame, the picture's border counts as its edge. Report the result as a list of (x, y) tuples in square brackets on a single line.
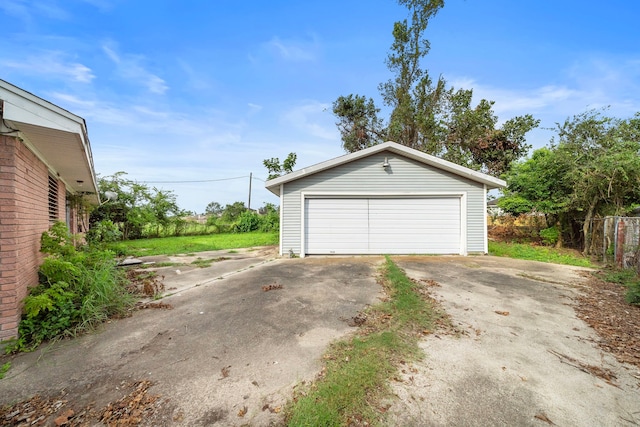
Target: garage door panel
[(383, 226), (335, 226), (427, 225)]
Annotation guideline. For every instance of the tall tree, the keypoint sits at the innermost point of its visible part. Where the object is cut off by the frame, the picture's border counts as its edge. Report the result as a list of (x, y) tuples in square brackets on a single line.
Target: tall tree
[(425, 114)]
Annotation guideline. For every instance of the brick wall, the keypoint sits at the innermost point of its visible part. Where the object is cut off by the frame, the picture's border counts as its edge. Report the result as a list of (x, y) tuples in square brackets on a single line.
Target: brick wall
[(24, 216)]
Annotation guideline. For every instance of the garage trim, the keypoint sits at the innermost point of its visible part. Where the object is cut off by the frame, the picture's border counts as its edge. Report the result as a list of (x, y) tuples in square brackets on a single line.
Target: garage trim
[(384, 195)]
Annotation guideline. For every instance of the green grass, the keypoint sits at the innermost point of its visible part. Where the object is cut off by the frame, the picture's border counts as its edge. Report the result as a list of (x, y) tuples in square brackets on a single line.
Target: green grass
[(628, 278), (357, 371), (4, 369), (538, 253), (204, 263), (192, 244)]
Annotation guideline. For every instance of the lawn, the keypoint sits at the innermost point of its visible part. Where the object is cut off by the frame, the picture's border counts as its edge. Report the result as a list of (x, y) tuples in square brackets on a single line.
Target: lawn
[(191, 244), (538, 253)]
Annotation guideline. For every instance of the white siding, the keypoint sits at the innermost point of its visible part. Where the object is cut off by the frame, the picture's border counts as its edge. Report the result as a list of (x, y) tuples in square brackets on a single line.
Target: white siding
[(366, 176)]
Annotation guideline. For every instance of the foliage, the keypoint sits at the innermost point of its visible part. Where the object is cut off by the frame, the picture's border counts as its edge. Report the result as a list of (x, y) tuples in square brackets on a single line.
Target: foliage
[(136, 207), (57, 240), (213, 208), (425, 114), (537, 253), (233, 211), (592, 169), (104, 231), (270, 219), (550, 235), (247, 221), (78, 289), (358, 122), (4, 369), (630, 279), (190, 244), (357, 371), (276, 169)]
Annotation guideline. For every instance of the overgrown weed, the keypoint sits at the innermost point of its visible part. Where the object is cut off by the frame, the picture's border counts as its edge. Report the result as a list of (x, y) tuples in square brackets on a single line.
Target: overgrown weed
[(356, 372)]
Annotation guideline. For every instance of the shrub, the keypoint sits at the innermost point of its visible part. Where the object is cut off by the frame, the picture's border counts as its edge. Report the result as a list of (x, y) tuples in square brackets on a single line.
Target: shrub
[(270, 222), (550, 235), (57, 240), (247, 221), (78, 289), (104, 231), (49, 311)]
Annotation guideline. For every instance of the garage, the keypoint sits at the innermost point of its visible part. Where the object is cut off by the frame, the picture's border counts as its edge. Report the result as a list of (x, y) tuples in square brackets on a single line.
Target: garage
[(385, 199), (382, 225)]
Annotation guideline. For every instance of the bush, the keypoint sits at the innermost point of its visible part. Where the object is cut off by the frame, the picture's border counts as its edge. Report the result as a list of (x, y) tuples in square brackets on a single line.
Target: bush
[(550, 235), (78, 289), (247, 221), (270, 222), (104, 231)]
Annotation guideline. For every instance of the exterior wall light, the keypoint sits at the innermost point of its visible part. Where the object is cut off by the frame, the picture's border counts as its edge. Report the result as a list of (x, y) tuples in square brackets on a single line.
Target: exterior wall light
[(386, 163)]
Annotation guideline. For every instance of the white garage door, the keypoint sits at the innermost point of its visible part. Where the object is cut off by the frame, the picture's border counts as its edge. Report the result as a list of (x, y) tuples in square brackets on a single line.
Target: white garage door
[(383, 226)]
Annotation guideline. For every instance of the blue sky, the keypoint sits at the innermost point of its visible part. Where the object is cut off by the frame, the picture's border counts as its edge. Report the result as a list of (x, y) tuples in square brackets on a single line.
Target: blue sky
[(205, 90)]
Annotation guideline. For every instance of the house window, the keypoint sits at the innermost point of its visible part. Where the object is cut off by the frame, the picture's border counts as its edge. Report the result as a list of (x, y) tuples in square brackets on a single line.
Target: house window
[(53, 199)]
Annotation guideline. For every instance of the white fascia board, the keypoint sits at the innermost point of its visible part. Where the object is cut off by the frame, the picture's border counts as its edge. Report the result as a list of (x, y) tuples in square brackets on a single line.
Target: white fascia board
[(22, 106), (489, 181)]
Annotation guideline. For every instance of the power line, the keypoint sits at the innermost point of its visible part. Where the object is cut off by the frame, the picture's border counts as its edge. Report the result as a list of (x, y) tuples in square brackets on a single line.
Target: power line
[(197, 181)]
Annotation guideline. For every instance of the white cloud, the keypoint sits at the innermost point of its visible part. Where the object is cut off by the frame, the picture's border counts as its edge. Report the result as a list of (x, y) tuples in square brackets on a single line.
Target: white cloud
[(103, 5), (254, 108), (594, 82), (18, 9), (293, 50), (314, 119), (51, 63), (129, 67), (195, 78), (73, 100)]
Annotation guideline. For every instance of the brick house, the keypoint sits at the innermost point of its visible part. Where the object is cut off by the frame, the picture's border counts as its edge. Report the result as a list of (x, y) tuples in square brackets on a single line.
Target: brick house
[(46, 167)]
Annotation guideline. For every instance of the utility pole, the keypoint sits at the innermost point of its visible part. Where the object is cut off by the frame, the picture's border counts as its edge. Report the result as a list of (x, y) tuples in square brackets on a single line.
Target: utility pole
[(250, 178)]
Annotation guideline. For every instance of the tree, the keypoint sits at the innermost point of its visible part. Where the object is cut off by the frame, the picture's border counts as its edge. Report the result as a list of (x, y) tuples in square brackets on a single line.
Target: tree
[(591, 170), (425, 114), (136, 206), (358, 122), (233, 211), (276, 168), (213, 208)]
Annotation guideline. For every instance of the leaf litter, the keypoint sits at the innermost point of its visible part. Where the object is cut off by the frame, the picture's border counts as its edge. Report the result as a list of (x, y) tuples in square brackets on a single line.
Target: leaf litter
[(128, 411), (603, 307)]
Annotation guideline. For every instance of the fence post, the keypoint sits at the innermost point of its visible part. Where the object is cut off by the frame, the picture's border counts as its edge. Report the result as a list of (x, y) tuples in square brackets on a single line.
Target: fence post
[(620, 239)]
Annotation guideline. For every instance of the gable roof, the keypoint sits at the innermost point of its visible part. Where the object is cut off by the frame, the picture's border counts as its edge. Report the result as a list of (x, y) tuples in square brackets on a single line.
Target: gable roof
[(56, 136), (273, 185)]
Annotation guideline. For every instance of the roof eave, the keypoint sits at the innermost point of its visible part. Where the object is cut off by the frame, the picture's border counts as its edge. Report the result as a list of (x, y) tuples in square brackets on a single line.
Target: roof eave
[(22, 110), (491, 182)]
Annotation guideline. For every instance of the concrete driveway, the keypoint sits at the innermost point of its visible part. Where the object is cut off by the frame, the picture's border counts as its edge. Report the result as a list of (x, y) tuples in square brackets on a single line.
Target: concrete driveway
[(229, 353), (521, 356), (226, 347)]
